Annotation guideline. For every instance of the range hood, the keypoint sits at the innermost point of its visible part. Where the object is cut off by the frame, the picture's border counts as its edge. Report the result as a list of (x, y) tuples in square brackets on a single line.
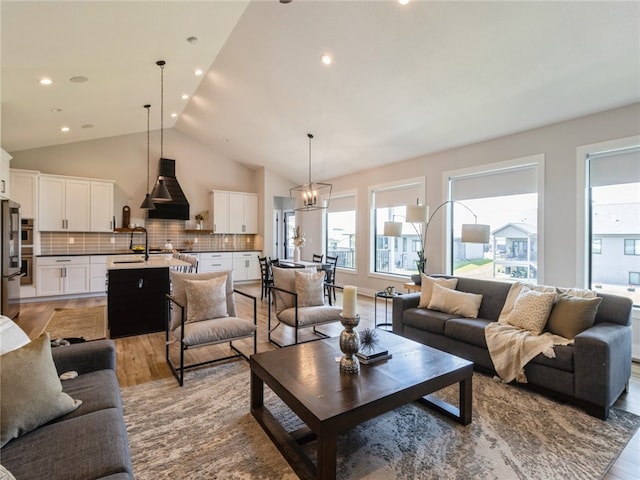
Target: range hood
[(178, 207)]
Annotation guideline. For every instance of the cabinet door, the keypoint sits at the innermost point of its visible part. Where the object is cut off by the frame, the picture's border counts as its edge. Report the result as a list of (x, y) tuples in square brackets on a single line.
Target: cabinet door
[(240, 269), (76, 279), (5, 181), (51, 205), (236, 212), (220, 212), (253, 272), (250, 214), (101, 207), (77, 205), (24, 187), (50, 280)]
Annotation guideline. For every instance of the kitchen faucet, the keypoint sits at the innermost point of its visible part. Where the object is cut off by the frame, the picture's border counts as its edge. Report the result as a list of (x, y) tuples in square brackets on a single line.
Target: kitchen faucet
[(146, 241)]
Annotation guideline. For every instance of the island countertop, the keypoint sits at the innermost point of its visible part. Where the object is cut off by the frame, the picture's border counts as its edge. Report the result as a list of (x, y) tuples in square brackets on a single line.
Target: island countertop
[(128, 262)]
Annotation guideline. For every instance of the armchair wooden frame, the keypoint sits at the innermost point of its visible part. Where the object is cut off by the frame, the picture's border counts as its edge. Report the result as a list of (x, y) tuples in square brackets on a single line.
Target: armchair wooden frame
[(178, 372), (297, 326)]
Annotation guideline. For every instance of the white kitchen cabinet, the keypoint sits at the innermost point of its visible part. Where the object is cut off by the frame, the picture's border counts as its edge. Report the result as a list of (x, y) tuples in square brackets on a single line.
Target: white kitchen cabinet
[(246, 266), (62, 275), (101, 207), (98, 274), (235, 212), (5, 180), (215, 261), (69, 204), (24, 187)]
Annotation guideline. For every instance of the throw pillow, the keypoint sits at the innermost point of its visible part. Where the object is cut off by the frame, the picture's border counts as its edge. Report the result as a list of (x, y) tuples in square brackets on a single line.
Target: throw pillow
[(514, 293), (531, 310), (285, 278), (31, 390), (178, 291), (206, 299), (11, 335), (571, 315), (310, 288), (426, 289), (455, 302)]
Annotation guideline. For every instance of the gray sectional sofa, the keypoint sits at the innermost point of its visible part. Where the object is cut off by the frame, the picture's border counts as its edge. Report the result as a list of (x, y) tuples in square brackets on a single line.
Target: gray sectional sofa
[(88, 443), (592, 372)]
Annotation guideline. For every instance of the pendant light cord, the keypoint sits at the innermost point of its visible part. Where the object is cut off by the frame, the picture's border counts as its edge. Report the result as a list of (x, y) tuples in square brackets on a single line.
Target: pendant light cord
[(148, 145), (161, 64), (310, 137)]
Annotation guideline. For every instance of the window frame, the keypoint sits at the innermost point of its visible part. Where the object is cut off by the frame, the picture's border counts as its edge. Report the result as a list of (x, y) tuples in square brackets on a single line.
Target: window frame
[(343, 194)]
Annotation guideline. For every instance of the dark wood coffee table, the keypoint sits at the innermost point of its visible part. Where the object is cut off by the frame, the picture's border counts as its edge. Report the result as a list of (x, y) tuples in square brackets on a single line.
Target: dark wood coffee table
[(308, 379)]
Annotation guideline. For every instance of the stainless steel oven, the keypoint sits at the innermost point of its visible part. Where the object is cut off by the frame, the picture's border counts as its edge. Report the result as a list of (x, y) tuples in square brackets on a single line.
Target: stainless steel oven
[(26, 231), (27, 266)]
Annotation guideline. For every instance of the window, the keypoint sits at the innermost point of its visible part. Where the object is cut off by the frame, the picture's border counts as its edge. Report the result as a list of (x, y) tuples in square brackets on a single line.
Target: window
[(613, 181), (596, 246), (341, 229), (505, 196), (631, 247), (634, 278), (395, 256)]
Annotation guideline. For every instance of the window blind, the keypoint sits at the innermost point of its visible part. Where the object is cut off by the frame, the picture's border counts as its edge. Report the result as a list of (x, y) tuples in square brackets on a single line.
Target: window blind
[(496, 183), (614, 167)]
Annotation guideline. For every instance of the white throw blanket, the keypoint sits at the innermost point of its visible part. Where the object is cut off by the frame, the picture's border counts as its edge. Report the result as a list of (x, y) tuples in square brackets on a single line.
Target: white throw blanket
[(511, 348)]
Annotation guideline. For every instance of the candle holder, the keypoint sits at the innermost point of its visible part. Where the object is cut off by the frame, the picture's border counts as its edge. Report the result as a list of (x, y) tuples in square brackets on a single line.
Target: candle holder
[(349, 344)]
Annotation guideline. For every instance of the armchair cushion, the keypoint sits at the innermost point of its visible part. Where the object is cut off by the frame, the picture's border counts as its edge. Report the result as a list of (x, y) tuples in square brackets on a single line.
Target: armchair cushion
[(285, 278), (215, 331), (308, 316), (310, 288), (206, 299), (179, 291)]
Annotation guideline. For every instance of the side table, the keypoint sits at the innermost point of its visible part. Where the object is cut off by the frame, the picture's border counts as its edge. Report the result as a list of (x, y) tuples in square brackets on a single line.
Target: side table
[(412, 287), (386, 297)]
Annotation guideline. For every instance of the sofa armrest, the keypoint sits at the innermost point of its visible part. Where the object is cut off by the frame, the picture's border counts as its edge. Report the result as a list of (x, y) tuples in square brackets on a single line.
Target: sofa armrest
[(400, 304), (85, 357), (602, 359)]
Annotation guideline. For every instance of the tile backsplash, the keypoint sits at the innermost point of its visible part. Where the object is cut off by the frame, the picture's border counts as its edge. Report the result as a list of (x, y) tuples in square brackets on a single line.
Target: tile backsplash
[(159, 232)]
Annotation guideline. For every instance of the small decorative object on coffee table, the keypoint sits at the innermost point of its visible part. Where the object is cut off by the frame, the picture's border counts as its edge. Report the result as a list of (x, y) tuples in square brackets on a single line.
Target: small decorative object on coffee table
[(370, 350), (349, 339)]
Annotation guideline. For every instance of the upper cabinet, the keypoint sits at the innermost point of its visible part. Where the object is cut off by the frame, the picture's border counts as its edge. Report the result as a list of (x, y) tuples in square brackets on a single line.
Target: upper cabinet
[(68, 204), (235, 212), (24, 185), (5, 181)]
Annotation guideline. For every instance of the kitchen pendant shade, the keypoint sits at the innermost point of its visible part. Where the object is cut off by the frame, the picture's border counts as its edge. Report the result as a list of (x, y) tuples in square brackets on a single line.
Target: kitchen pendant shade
[(147, 203), (312, 195), (475, 233), (392, 229), (160, 192)]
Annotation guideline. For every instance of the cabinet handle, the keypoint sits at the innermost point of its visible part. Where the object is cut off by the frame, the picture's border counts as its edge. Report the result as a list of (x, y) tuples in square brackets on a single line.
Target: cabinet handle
[(244, 228), (4, 187), (63, 260), (214, 227), (246, 263), (141, 283), (63, 272)]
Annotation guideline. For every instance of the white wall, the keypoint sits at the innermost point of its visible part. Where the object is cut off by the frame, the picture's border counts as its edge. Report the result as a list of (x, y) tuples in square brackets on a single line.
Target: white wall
[(123, 159)]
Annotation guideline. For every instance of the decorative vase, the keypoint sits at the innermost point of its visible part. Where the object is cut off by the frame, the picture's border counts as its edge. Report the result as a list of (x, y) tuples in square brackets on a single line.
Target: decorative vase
[(296, 254), (349, 344)]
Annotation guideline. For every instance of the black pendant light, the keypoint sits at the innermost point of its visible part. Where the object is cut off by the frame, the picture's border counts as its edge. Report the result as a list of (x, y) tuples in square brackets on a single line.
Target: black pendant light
[(160, 192), (148, 204)]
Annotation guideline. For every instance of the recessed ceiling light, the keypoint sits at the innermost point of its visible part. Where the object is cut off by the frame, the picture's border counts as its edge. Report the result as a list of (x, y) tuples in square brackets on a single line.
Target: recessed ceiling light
[(174, 115), (326, 59), (78, 79), (198, 71), (184, 96), (192, 40), (87, 125), (403, 2), (65, 129), (55, 110), (46, 81)]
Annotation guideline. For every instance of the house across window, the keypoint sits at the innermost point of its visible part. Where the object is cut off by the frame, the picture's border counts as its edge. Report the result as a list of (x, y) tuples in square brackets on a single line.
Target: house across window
[(631, 246), (634, 278), (596, 246)]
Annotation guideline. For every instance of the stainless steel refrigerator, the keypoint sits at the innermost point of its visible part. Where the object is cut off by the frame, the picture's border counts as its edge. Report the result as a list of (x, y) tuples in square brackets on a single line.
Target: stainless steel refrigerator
[(11, 264)]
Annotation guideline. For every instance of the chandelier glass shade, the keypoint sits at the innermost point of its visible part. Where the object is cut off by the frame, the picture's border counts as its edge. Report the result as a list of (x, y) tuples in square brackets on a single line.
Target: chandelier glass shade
[(311, 195)]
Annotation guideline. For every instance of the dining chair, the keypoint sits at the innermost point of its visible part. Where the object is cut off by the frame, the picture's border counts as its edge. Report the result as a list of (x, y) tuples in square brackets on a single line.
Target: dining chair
[(317, 257), (265, 274), (330, 269)]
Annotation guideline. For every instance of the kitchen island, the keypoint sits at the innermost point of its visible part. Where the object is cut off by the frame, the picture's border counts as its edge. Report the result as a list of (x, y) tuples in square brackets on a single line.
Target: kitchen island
[(136, 293)]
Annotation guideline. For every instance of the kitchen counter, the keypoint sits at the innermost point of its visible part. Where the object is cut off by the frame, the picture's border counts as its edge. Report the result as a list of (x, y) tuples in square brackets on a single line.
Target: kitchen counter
[(128, 252), (130, 262)]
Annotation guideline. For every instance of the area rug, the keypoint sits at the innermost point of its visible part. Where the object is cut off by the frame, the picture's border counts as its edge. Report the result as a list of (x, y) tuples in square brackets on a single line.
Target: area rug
[(89, 323), (204, 431)]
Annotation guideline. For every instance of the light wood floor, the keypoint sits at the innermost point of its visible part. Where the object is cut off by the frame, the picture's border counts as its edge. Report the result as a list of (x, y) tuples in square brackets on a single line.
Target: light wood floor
[(141, 358)]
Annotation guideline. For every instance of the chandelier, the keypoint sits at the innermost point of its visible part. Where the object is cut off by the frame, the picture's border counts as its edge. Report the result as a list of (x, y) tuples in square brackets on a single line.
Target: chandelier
[(312, 195)]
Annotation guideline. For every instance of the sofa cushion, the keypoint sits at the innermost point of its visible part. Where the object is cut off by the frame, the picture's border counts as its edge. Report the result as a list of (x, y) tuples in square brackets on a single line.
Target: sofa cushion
[(90, 446), (31, 390), (563, 360), (531, 310), (426, 288), (493, 294), (571, 315), (97, 390), (429, 320), (455, 302), (467, 330)]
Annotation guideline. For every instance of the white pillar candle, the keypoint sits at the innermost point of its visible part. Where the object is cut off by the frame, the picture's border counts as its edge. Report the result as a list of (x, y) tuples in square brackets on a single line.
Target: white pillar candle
[(349, 297)]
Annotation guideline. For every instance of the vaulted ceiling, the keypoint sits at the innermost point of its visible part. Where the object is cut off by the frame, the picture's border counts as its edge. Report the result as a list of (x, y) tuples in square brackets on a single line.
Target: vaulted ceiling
[(405, 80)]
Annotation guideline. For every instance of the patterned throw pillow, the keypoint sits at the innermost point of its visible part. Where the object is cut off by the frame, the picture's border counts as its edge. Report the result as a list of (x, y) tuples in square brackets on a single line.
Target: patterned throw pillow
[(206, 299), (310, 288), (571, 315), (454, 302), (426, 288), (531, 310)]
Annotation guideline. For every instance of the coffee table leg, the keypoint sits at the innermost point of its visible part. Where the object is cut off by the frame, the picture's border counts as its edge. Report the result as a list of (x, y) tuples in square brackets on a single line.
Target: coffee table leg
[(466, 401), (327, 451), (257, 391)]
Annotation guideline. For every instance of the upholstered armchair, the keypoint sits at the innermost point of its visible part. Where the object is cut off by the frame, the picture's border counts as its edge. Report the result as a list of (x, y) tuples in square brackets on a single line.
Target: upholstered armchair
[(298, 302), (202, 312)]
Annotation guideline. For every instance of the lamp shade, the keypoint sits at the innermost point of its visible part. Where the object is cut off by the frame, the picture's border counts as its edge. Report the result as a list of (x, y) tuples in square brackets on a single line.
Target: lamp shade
[(475, 233), (160, 192), (416, 213), (392, 229)]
